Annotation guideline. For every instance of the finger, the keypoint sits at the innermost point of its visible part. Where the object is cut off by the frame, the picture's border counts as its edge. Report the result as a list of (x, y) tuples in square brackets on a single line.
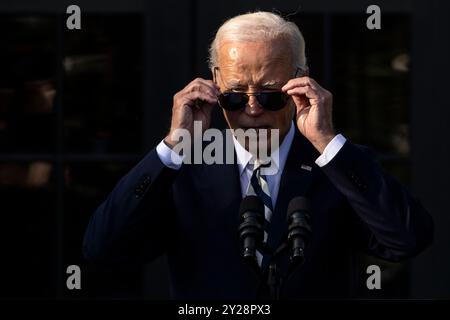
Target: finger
[(301, 116), (211, 83), (306, 91), (302, 113), (300, 82), (200, 84), (201, 89), (301, 102), (192, 98)]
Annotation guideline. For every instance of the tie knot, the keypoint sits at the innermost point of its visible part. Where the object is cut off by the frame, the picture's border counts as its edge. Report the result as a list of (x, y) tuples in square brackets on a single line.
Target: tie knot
[(258, 164)]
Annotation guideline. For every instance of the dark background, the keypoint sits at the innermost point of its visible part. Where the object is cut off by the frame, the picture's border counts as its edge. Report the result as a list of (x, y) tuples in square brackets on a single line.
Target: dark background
[(78, 108)]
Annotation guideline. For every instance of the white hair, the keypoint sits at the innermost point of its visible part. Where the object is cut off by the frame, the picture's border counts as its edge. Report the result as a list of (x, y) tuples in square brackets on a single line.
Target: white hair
[(260, 26)]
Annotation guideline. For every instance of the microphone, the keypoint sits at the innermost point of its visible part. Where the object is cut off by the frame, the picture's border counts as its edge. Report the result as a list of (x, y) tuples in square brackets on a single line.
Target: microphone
[(299, 228), (251, 232)]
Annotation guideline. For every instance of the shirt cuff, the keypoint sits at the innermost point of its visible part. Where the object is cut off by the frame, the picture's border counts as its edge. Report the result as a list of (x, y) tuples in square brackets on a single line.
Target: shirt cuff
[(169, 157), (331, 150)]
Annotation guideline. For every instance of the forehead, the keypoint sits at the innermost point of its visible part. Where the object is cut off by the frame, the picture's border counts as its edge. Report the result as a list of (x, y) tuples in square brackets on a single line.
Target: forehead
[(254, 63)]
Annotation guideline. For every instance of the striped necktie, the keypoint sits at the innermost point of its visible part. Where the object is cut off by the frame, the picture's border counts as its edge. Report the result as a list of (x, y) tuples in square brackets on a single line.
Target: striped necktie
[(258, 186)]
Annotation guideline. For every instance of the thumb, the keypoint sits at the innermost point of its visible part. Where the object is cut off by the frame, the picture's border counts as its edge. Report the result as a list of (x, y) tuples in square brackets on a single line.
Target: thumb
[(300, 102)]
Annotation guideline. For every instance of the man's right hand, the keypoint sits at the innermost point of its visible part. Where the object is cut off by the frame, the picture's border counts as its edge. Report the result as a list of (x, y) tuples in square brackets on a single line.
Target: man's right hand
[(193, 103)]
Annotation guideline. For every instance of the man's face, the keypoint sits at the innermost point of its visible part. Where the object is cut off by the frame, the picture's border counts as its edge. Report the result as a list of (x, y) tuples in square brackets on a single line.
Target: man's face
[(254, 67)]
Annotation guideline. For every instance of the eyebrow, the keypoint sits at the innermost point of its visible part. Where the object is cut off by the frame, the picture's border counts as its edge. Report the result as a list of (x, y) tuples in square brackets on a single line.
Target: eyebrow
[(233, 83), (270, 83)]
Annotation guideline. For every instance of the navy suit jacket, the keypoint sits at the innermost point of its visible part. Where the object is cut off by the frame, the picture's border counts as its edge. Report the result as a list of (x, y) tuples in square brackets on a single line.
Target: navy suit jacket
[(191, 215)]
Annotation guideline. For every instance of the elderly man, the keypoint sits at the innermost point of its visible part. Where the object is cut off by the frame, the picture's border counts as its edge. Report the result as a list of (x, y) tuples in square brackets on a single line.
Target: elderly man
[(191, 212)]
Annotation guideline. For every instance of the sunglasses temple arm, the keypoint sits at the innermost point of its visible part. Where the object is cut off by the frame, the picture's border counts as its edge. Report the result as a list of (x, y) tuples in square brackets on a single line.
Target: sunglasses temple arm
[(214, 75)]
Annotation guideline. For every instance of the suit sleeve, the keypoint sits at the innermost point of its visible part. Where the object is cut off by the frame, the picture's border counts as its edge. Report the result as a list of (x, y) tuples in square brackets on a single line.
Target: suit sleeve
[(133, 224), (390, 223)]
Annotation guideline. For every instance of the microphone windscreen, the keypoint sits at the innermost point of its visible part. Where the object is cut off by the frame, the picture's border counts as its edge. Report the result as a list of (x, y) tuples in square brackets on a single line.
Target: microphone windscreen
[(251, 203), (298, 204)]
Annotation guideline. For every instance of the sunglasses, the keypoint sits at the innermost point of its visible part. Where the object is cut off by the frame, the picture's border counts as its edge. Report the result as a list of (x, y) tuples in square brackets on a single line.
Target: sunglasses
[(272, 101)]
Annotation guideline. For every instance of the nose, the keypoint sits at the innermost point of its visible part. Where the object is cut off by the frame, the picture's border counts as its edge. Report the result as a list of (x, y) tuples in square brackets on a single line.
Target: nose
[(253, 108)]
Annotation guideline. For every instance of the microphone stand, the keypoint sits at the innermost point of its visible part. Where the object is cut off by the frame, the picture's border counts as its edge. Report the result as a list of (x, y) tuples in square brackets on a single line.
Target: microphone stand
[(272, 277), (297, 237), (274, 281)]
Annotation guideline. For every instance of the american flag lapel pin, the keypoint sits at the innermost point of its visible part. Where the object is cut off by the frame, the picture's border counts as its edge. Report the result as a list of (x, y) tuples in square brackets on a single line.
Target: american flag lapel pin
[(306, 167)]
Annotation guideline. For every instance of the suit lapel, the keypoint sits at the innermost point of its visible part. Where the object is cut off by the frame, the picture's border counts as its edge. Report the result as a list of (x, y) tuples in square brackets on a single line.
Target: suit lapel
[(295, 181)]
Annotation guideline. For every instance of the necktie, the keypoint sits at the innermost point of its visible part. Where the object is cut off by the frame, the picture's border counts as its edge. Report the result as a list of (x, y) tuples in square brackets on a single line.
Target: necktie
[(258, 186)]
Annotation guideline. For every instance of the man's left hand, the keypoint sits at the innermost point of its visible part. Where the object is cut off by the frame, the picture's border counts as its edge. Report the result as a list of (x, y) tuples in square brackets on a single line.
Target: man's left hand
[(313, 110)]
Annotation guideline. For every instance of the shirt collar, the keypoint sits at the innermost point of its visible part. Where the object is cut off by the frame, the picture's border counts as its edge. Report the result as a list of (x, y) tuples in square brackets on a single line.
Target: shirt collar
[(278, 157)]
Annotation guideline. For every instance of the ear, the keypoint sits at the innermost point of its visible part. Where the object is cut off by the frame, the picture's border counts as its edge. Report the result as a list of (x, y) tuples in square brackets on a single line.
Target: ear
[(302, 71), (306, 71)]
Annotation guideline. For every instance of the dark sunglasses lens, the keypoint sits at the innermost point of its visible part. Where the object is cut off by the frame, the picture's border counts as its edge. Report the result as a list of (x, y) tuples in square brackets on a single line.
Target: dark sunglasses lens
[(233, 100), (272, 100)]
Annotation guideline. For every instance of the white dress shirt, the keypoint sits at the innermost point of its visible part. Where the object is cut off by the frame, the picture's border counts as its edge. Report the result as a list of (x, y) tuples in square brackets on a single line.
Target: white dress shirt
[(245, 166)]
